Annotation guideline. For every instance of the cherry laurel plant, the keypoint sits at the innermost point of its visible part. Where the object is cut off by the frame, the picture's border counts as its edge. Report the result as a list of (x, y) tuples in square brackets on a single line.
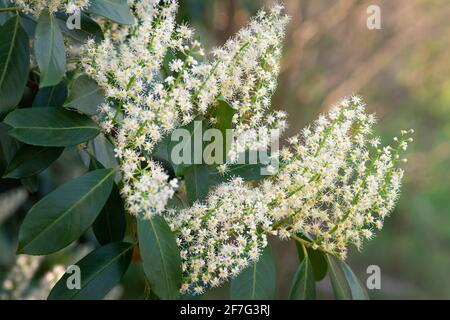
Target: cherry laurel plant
[(117, 88)]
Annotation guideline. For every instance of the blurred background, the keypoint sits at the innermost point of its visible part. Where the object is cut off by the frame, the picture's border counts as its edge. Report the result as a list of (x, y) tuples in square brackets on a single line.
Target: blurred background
[(403, 73)]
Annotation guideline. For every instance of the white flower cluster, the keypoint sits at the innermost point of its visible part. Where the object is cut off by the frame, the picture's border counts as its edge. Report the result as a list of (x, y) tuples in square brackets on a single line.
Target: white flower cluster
[(335, 185), (221, 237), (246, 71), (139, 109), (146, 102), (333, 188), (36, 7)]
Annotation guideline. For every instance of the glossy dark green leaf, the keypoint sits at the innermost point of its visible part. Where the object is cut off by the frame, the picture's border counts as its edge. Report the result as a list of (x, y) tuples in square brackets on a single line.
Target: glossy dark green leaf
[(175, 203), (51, 96), (196, 179), (115, 10), (101, 271), (339, 283), (357, 289), (256, 282), (165, 151), (8, 147), (223, 113), (51, 127), (303, 285), (49, 50), (14, 63), (85, 96), (103, 150), (110, 224), (317, 259), (160, 255), (3, 162), (31, 160), (65, 214), (89, 29), (162, 152)]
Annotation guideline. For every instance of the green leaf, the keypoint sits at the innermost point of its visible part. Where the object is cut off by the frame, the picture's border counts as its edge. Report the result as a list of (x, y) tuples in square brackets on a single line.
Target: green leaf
[(303, 285), (110, 224), (14, 63), (317, 259), (338, 281), (28, 23), (51, 96), (160, 255), (85, 96), (65, 214), (31, 160), (223, 113), (257, 282), (197, 183), (101, 271), (89, 28), (7, 257), (163, 151), (115, 10), (357, 289), (51, 127), (8, 147), (49, 50), (103, 150)]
